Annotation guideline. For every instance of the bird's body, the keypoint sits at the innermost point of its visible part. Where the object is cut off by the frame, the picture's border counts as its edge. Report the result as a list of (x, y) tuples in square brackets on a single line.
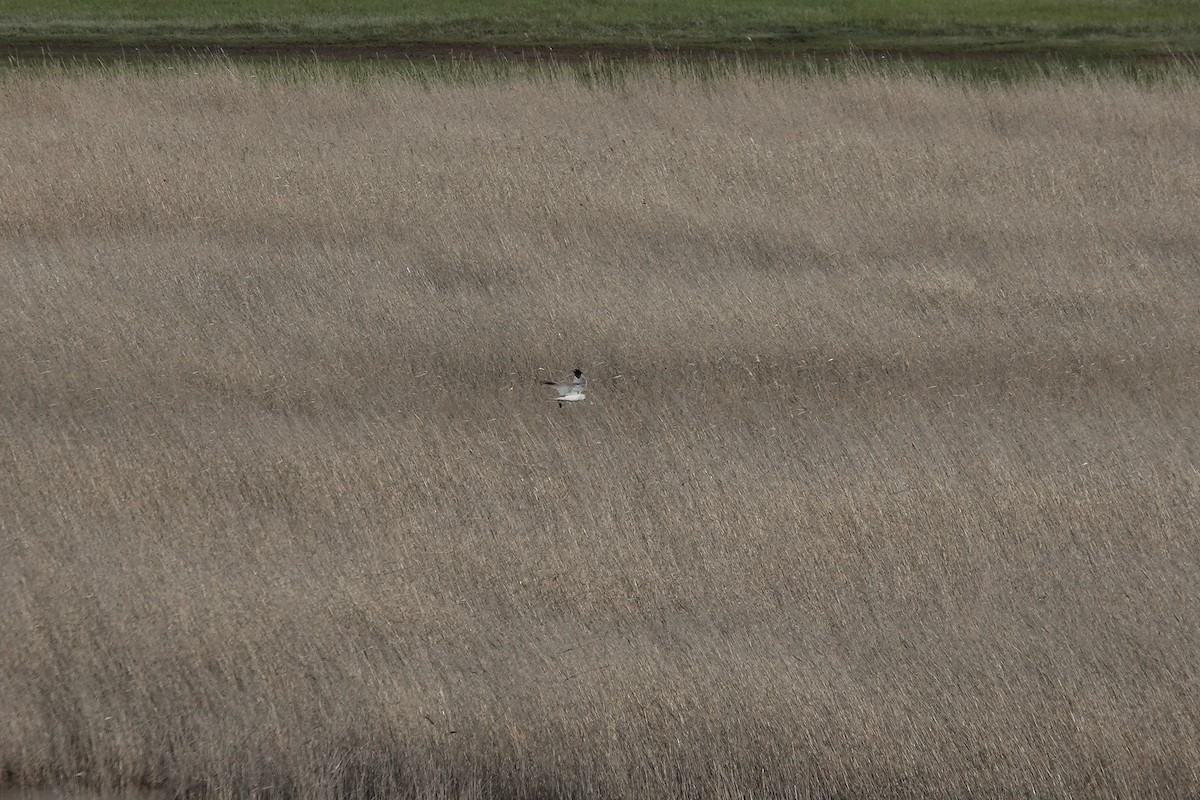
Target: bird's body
[(570, 392)]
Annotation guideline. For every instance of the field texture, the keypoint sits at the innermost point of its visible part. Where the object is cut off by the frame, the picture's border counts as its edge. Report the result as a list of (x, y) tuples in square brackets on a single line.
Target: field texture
[(886, 485), (1076, 27)]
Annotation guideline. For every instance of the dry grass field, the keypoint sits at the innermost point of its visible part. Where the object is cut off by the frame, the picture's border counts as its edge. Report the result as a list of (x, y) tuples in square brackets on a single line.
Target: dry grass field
[(886, 485)]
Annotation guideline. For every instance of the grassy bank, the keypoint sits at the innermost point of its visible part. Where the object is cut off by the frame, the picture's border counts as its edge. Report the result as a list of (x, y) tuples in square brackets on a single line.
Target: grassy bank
[(1080, 29), (886, 485)]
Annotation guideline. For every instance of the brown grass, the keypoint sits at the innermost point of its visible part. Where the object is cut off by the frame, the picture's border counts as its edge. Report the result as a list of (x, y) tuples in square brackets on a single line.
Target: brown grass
[(886, 485)]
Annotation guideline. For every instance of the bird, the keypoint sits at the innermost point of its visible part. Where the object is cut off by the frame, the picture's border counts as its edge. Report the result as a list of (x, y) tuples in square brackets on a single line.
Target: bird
[(569, 392)]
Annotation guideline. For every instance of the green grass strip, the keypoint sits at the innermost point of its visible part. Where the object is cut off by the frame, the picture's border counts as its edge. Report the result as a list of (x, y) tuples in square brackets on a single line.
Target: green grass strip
[(1083, 28)]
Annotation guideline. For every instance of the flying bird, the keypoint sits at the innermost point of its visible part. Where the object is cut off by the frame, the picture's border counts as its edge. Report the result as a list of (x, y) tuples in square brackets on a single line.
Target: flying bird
[(569, 392)]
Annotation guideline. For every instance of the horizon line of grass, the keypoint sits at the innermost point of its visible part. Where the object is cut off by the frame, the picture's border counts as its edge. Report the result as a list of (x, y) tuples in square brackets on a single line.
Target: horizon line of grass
[(1093, 28)]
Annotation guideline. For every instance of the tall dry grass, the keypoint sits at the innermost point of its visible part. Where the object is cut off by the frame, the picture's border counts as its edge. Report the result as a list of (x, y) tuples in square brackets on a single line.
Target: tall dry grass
[(886, 485)]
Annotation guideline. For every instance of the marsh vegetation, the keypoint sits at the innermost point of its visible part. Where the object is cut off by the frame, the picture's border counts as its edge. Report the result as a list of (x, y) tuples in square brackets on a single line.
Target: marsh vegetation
[(886, 484)]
